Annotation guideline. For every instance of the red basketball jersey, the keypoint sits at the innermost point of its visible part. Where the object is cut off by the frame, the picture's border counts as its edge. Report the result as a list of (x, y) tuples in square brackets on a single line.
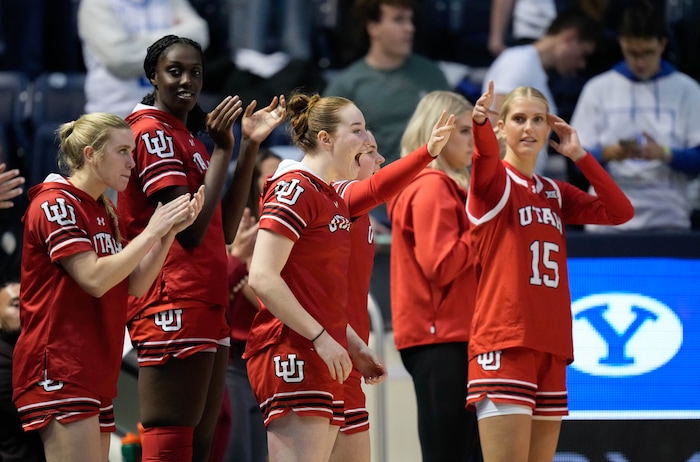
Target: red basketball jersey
[(67, 334), (168, 155), (303, 208), (519, 248), (361, 197)]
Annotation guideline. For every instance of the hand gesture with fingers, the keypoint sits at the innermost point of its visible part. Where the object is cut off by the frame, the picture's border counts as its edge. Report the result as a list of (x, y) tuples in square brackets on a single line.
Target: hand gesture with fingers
[(482, 108), (569, 144), (258, 125), (441, 133), (220, 122)]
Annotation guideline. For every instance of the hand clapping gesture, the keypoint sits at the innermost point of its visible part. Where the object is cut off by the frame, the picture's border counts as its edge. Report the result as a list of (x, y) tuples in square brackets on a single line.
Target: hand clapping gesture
[(220, 122), (258, 125), (177, 214)]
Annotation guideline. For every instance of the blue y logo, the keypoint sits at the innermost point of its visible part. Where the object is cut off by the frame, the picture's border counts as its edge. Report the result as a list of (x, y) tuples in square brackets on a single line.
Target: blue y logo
[(618, 334)]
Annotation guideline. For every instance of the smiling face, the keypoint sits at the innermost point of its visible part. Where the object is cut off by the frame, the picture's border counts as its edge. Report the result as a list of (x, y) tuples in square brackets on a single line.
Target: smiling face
[(178, 79), (370, 161), (113, 165), (348, 141), (525, 127)]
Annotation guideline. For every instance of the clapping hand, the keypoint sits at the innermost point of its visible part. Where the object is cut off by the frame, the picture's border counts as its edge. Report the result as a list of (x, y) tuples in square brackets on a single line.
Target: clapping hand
[(258, 125)]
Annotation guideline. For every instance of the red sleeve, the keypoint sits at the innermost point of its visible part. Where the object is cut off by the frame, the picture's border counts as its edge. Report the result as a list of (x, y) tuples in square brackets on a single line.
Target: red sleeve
[(237, 271), (441, 248), (363, 196), (58, 223), (488, 179), (288, 206), (159, 164), (609, 206)]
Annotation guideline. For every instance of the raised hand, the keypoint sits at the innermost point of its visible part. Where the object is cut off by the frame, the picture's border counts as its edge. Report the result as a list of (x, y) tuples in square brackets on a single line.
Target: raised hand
[(220, 122), (441, 133), (10, 186), (569, 144), (482, 108), (258, 125)]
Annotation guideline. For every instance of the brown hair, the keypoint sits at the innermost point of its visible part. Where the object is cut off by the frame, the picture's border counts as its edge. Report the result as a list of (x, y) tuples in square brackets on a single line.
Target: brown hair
[(366, 11), (310, 114)]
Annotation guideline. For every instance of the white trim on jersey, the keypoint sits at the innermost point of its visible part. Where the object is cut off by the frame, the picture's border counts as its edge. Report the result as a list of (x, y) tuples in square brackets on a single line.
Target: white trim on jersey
[(489, 215)]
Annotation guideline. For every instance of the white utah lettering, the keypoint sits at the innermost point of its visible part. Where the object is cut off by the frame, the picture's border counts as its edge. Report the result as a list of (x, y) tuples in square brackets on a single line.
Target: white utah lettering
[(545, 216)]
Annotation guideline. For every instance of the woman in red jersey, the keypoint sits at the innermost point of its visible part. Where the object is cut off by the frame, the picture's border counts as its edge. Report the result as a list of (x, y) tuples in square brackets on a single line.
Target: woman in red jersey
[(372, 187), (76, 275), (301, 348), (432, 281), (521, 333), (179, 328)]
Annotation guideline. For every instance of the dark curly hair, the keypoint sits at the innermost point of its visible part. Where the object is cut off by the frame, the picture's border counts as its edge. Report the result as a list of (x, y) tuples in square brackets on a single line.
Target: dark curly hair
[(196, 118)]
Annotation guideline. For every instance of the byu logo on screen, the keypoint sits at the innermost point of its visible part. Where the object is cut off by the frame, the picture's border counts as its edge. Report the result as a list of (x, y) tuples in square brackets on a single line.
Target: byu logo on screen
[(623, 334)]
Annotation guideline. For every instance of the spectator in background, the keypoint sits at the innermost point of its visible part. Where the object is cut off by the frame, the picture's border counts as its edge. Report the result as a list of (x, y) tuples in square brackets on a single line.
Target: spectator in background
[(564, 48), (115, 35), (640, 120), (524, 20), (387, 83), (15, 443)]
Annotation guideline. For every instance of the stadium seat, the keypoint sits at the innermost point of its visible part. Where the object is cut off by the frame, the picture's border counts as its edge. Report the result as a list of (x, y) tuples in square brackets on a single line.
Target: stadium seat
[(14, 114), (14, 97), (45, 149), (58, 97)]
